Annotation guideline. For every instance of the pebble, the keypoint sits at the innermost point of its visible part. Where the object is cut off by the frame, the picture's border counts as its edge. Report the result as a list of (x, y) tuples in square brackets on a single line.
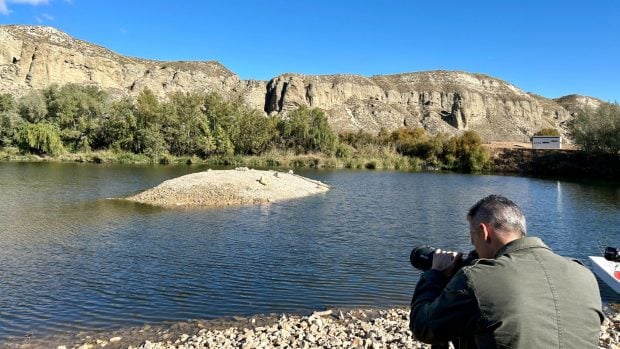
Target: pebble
[(386, 328)]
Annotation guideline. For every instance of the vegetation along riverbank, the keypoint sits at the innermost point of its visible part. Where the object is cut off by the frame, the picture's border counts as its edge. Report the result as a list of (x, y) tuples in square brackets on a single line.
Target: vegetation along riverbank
[(83, 123)]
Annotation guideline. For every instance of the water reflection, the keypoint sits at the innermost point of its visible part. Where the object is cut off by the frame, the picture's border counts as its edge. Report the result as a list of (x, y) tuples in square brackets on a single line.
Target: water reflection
[(73, 259)]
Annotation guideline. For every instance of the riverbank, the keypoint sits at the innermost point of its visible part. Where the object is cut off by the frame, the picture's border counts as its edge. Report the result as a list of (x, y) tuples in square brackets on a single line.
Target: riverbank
[(556, 163), (512, 159), (334, 328), (379, 159)]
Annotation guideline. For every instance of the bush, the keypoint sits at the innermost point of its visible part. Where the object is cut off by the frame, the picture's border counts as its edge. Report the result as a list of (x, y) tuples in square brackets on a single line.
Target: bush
[(597, 130), (549, 131)]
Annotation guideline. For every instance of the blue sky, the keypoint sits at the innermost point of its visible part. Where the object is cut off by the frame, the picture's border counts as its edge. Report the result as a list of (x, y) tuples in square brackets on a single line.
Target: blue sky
[(552, 48)]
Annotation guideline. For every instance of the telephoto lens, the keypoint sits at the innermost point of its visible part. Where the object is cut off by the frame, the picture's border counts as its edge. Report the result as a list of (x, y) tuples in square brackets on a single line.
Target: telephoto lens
[(422, 257)]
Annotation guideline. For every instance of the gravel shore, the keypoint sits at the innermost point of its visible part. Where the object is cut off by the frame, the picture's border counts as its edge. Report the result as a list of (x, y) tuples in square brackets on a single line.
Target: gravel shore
[(218, 188), (359, 328)]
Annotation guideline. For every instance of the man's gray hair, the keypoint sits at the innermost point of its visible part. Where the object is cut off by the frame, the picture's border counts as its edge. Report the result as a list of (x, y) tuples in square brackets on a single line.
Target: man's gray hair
[(499, 212)]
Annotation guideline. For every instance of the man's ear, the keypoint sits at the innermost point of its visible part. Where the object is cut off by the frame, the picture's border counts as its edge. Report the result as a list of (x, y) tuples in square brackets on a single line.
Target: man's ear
[(486, 232)]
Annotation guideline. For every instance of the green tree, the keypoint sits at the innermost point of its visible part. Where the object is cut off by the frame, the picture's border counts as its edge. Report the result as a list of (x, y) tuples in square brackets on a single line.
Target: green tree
[(221, 115), (148, 138), (253, 132), (118, 127), (78, 111), (307, 130), (7, 102), (597, 130), (223, 146), (41, 138), (32, 107), (186, 127), (9, 118)]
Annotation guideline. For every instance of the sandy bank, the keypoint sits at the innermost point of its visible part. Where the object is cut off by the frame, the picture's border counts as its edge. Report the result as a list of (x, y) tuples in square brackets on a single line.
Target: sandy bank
[(218, 188)]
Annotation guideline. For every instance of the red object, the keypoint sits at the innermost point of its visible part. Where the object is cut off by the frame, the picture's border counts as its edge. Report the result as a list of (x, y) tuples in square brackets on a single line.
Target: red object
[(617, 274)]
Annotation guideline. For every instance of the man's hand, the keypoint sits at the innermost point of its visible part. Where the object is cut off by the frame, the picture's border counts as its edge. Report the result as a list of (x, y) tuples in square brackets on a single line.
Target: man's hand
[(445, 261)]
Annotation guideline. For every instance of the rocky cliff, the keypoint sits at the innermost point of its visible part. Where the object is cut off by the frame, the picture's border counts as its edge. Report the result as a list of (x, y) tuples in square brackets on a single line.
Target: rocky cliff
[(440, 101)]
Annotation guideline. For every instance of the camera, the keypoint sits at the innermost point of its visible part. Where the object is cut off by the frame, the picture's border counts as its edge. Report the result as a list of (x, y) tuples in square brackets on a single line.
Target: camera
[(421, 258), (612, 254)]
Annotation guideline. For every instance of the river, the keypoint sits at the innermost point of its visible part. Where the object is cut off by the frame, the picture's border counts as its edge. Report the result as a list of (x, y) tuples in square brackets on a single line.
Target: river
[(72, 259)]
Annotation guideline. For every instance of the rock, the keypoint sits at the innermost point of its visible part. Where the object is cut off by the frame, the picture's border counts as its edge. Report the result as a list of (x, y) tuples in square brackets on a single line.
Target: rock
[(263, 180), (380, 329)]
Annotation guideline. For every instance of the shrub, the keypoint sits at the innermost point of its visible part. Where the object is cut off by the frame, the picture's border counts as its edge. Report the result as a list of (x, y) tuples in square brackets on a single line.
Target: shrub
[(549, 131), (597, 130)]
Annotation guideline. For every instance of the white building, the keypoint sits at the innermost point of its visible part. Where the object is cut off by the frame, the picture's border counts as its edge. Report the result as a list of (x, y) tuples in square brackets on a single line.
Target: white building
[(547, 142)]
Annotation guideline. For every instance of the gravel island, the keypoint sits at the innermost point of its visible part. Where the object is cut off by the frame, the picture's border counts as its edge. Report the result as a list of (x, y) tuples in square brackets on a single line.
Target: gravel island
[(219, 188)]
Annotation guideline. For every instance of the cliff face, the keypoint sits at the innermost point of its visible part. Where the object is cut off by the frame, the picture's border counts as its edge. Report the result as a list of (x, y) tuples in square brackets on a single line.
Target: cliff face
[(35, 57), (440, 101)]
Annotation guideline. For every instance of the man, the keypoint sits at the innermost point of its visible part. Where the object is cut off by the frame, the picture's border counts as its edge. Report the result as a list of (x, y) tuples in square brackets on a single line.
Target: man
[(519, 294)]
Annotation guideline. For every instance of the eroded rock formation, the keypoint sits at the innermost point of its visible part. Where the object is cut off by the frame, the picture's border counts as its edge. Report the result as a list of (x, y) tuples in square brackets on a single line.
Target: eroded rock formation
[(440, 101)]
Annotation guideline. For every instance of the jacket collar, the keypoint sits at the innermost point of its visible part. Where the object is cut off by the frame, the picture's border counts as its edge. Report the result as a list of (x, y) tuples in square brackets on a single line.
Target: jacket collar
[(520, 244)]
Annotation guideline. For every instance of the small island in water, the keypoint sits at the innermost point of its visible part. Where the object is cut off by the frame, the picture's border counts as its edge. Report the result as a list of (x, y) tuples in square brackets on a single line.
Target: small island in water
[(218, 188)]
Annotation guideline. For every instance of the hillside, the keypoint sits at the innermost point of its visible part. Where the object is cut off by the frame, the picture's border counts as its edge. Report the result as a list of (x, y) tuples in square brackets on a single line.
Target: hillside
[(440, 101)]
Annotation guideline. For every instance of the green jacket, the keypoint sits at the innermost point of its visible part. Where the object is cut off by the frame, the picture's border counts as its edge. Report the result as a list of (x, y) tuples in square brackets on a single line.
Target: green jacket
[(527, 297)]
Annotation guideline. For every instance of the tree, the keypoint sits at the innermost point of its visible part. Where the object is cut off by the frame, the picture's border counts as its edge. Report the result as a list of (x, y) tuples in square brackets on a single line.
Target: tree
[(32, 107), (41, 138), (597, 130), (308, 130), (221, 116), (222, 144), (9, 118), (148, 138), (187, 126), (78, 111), (7, 102), (118, 127), (253, 132)]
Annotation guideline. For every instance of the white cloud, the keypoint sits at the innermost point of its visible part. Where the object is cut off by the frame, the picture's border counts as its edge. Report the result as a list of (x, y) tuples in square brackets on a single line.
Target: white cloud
[(4, 9), (44, 18), (30, 2)]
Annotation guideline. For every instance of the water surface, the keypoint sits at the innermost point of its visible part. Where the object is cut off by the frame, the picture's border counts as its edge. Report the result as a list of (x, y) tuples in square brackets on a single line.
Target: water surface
[(71, 259)]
